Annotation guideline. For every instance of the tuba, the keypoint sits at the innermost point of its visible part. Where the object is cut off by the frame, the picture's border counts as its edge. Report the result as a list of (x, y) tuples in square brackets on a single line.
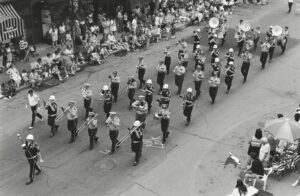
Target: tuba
[(277, 30), (245, 26), (213, 22)]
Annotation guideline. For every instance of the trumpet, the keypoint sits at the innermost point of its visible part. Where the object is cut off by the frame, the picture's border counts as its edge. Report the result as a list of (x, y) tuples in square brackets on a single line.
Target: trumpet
[(85, 123), (62, 114)]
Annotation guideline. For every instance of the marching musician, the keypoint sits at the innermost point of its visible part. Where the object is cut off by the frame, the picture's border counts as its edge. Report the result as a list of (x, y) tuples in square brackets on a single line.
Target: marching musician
[(32, 152), (229, 71), (72, 113), (224, 29), (165, 96), (141, 108), (198, 76), (284, 38), (87, 98), (107, 98), (200, 59), (188, 104), (248, 43), (161, 73), (246, 64), (269, 33), (113, 124), (52, 113), (182, 48), (184, 60), (214, 53), (91, 123), (131, 86), (114, 84), (33, 101), (148, 89), (264, 52), (272, 44), (137, 133), (179, 71), (141, 70), (240, 41), (214, 83), (197, 37), (216, 66), (230, 55), (213, 42), (255, 36), (167, 53), (164, 116)]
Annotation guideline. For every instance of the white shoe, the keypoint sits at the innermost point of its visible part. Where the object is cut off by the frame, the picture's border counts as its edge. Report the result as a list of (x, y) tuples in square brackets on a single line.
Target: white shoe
[(296, 183), (30, 127)]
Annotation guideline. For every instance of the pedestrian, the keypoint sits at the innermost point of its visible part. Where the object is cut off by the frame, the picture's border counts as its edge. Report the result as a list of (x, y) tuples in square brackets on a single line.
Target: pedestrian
[(167, 58), (272, 44), (164, 116), (87, 94), (148, 89), (229, 71), (290, 4), (141, 108), (179, 71), (107, 98), (136, 133), (264, 53), (283, 39), (161, 73), (214, 83), (91, 123), (34, 103), (188, 104), (113, 124), (241, 41), (131, 86), (115, 84), (165, 96), (264, 152), (255, 36), (33, 154), (197, 37), (51, 108), (246, 64), (198, 76), (141, 70)]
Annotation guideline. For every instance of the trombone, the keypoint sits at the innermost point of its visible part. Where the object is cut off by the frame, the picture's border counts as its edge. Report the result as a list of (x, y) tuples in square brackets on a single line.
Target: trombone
[(62, 114), (85, 123), (131, 130)]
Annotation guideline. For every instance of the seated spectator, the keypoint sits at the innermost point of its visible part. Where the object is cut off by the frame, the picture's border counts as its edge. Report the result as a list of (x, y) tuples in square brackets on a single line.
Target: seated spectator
[(37, 66), (56, 73), (242, 190), (103, 53), (69, 65), (14, 75), (264, 152), (47, 62), (254, 170), (255, 144), (5, 90), (32, 51), (12, 88), (25, 78), (56, 56), (34, 79)]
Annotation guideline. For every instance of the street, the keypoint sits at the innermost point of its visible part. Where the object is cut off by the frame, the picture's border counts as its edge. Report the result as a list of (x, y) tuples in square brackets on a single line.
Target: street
[(192, 162)]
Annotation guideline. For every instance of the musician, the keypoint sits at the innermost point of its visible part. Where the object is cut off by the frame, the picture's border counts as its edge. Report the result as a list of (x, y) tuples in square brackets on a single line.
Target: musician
[(214, 53), (264, 52), (141, 70), (198, 76), (72, 113), (165, 96), (283, 39), (137, 133), (229, 71), (241, 41), (87, 98), (269, 33), (51, 108), (131, 86), (213, 42), (161, 73), (197, 37), (32, 152), (148, 89), (216, 66), (246, 64), (184, 60), (200, 59), (114, 84), (33, 101), (255, 36), (141, 108), (167, 62), (164, 116), (272, 43), (188, 104), (107, 98), (182, 48), (113, 124), (91, 123), (224, 29), (230, 55), (214, 83), (179, 71)]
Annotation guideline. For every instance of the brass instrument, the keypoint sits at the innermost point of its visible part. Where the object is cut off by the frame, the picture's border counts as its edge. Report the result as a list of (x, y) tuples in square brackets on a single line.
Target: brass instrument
[(85, 123), (131, 130), (62, 114), (109, 121)]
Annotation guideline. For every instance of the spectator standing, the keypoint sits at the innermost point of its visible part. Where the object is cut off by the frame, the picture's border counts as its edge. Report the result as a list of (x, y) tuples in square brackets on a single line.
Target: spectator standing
[(33, 101), (7, 56), (255, 143), (23, 46), (62, 33), (54, 35), (264, 152)]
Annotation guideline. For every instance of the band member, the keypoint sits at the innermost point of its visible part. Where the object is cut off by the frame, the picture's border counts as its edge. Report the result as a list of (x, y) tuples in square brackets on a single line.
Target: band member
[(115, 84), (33, 101), (241, 41), (167, 58), (182, 49), (184, 60), (141, 108), (72, 114), (148, 89), (197, 37), (179, 71), (224, 29), (264, 53), (248, 43), (256, 36), (165, 96), (131, 86), (188, 104), (107, 98), (32, 152), (213, 42), (283, 39), (272, 43), (161, 73), (52, 113), (214, 53), (246, 64), (91, 123), (229, 71), (164, 116), (269, 33), (200, 59), (230, 55), (198, 76), (216, 66), (137, 133), (141, 70), (87, 98), (113, 124), (214, 83)]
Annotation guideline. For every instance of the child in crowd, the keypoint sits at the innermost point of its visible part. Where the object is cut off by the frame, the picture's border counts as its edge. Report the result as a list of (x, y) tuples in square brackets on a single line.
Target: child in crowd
[(25, 78)]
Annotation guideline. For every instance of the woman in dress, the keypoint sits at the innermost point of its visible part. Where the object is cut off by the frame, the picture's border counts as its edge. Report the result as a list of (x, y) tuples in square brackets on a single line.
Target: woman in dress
[(54, 35), (14, 75)]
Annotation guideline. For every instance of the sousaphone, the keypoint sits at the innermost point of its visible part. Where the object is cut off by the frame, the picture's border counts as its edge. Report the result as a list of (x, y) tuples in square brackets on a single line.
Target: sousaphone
[(214, 22), (277, 30), (245, 26)]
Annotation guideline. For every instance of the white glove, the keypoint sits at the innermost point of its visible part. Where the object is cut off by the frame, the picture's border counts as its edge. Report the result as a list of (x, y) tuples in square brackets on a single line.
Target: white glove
[(26, 106), (41, 160), (23, 145)]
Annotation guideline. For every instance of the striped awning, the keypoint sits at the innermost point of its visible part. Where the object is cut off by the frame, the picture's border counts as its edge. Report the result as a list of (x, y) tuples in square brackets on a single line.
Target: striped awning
[(11, 24)]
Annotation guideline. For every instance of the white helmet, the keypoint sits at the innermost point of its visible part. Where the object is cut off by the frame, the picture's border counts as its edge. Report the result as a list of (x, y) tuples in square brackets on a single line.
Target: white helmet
[(166, 86), (198, 46), (230, 50), (230, 62), (29, 137), (52, 97), (136, 123), (215, 35), (217, 60), (105, 88), (149, 81), (215, 46), (190, 90)]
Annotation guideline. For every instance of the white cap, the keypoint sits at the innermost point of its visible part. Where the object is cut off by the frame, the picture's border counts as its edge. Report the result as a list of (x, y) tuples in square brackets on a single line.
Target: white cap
[(198, 46), (215, 35), (105, 88), (230, 50), (149, 81), (166, 86), (198, 30), (30, 137), (215, 46), (230, 62), (190, 90), (52, 97), (136, 123), (217, 60), (87, 84)]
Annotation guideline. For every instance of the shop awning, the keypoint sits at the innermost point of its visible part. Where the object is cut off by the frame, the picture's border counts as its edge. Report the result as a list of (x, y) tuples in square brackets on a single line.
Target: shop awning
[(11, 24)]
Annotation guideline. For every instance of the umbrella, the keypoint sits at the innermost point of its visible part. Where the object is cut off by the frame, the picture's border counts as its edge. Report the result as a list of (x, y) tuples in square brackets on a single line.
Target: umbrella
[(283, 128)]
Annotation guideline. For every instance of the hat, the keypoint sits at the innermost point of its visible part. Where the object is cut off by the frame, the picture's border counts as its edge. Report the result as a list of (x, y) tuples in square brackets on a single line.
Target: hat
[(166, 86), (190, 90), (87, 84), (230, 62), (52, 97), (230, 49), (215, 35), (30, 137), (105, 88), (136, 123), (112, 113), (198, 46), (149, 81), (215, 46), (164, 105), (264, 139), (217, 60), (71, 102), (271, 27), (141, 96), (198, 30), (91, 114)]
